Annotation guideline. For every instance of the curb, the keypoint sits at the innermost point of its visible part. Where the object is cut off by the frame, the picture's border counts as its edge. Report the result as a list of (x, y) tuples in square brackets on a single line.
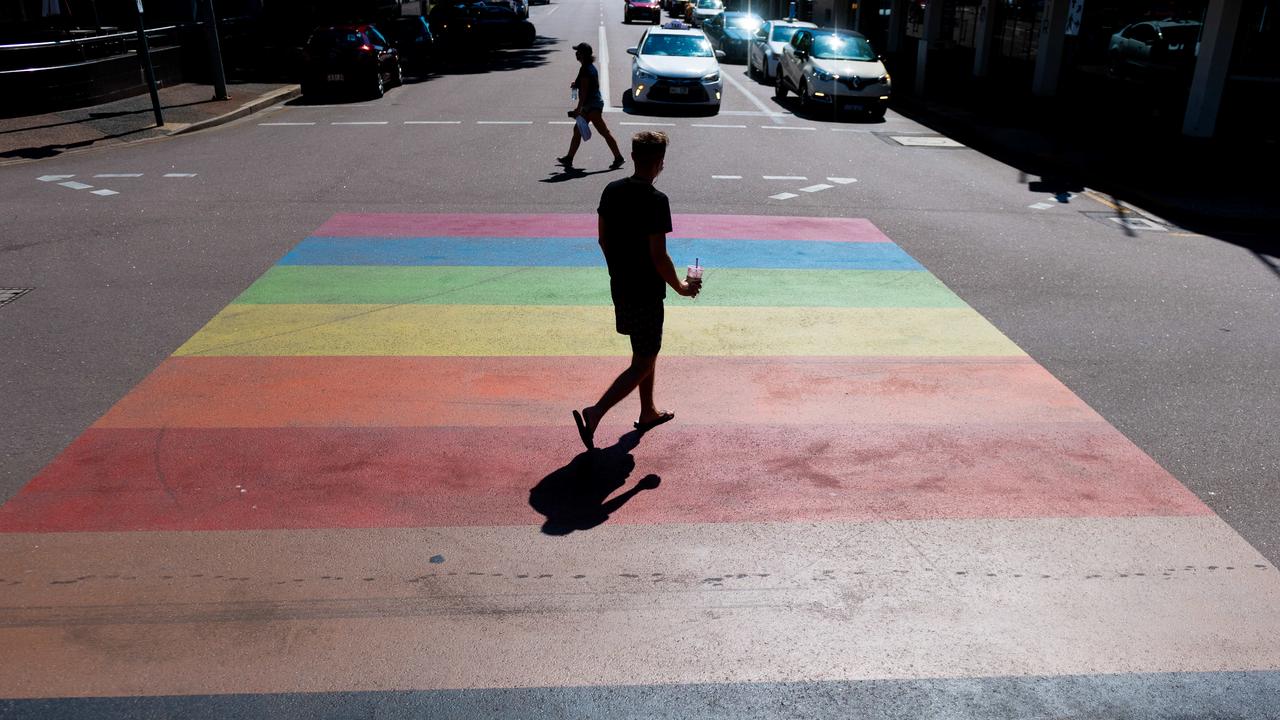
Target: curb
[(284, 94)]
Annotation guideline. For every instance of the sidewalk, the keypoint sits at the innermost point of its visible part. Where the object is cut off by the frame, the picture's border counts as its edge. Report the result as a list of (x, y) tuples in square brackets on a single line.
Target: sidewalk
[(1201, 185), (187, 107)]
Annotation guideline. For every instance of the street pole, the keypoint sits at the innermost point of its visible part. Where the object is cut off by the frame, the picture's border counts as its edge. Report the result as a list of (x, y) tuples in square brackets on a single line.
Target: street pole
[(215, 52), (144, 53)]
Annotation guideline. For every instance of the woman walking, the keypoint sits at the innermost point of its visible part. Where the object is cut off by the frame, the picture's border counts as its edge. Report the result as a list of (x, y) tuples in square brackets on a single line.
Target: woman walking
[(590, 107)]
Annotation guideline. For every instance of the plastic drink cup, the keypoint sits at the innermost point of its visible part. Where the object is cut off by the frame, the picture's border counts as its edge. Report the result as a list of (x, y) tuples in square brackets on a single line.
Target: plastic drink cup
[(694, 273)]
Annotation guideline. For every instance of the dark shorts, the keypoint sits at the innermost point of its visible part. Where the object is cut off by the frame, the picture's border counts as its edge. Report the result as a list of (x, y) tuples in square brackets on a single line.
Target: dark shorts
[(642, 320)]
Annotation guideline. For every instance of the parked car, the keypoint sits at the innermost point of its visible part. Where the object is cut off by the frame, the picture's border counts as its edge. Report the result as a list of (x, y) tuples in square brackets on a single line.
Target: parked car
[(674, 65), (833, 68), (698, 12), (1167, 45), (353, 58), (462, 25), (732, 32), (677, 8), (646, 9), (766, 46), (414, 41)]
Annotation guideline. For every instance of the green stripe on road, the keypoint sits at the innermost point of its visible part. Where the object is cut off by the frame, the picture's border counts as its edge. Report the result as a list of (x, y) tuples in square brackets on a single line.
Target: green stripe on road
[(429, 285)]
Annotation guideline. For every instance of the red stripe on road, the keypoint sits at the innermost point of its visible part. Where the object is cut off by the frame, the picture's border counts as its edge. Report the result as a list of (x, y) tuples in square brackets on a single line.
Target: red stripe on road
[(240, 479), (491, 391), (727, 227)]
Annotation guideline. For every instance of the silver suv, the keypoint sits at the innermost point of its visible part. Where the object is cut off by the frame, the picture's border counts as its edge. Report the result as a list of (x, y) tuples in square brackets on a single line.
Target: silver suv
[(835, 69)]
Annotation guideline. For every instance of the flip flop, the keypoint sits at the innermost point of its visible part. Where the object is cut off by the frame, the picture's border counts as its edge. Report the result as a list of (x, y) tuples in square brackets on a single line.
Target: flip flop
[(582, 431), (647, 426)]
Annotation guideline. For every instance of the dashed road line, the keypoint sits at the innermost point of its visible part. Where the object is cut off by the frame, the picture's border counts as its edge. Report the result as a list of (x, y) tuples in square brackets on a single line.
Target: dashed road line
[(432, 122), (604, 64), (785, 127), (284, 124), (714, 125), (842, 180), (783, 177), (562, 122), (53, 178), (180, 175), (504, 122), (726, 177), (104, 192), (783, 196), (769, 112), (360, 122), (816, 188), (648, 124), (118, 175), (1040, 206), (75, 185)]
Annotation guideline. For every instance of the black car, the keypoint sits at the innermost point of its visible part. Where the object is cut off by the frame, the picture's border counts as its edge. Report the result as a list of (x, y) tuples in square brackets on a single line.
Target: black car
[(414, 41), (353, 58), (641, 9), (470, 24), (732, 32)]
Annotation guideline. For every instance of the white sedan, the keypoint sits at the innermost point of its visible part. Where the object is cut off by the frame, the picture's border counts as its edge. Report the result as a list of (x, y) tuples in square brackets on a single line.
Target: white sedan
[(766, 47), (675, 65)]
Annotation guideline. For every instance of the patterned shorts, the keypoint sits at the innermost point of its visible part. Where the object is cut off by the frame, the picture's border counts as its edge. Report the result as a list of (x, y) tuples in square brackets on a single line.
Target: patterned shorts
[(642, 320)]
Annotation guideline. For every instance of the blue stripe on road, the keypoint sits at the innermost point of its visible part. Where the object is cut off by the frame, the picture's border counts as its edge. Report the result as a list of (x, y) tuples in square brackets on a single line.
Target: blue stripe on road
[(1148, 696), (584, 252)]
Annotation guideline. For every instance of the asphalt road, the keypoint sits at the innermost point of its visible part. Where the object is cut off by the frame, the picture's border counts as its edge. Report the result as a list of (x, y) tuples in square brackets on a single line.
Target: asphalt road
[(1170, 336)]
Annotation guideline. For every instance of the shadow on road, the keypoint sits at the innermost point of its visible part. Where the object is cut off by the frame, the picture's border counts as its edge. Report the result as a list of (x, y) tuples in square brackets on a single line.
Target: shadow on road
[(576, 496)]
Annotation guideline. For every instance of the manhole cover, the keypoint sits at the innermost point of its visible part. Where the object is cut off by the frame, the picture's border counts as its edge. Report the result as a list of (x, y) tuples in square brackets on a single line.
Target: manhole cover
[(930, 141), (1131, 222), (8, 295)]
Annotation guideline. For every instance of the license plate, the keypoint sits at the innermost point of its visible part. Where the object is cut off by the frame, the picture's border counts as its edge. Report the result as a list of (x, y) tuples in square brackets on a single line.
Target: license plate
[(679, 91), (336, 77)]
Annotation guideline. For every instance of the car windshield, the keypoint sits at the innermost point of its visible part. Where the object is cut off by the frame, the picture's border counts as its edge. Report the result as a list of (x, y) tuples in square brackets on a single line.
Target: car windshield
[(677, 45), (325, 39), (842, 47), (710, 4), (746, 22), (1181, 37), (782, 33)]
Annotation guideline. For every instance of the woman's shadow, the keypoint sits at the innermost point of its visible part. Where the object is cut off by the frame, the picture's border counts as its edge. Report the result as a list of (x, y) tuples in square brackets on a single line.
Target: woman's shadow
[(576, 496)]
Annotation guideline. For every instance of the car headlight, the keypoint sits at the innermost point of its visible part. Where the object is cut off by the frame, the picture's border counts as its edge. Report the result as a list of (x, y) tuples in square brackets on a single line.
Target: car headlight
[(824, 75), (883, 79), (713, 77), (645, 75)]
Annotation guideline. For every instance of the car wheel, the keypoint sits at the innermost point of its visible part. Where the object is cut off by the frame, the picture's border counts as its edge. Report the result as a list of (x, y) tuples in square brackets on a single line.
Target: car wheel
[(626, 19), (379, 88), (779, 87), (806, 102), (715, 109), (397, 79), (877, 112)]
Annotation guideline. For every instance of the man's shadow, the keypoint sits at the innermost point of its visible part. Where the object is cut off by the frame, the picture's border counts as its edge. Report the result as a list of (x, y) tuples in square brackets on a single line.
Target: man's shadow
[(576, 496)]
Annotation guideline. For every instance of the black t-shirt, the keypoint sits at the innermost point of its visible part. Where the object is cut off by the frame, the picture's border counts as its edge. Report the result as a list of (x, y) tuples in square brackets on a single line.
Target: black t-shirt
[(632, 210)]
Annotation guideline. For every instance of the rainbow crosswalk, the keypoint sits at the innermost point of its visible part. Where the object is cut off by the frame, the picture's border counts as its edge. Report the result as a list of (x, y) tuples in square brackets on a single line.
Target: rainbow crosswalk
[(325, 493)]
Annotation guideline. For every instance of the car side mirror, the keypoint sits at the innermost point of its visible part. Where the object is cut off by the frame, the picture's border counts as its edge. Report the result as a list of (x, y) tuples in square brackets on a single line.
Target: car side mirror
[(633, 51), (802, 54), (720, 55)]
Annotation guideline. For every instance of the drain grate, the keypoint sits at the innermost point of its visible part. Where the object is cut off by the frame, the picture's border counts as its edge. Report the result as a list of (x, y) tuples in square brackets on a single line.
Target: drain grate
[(8, 295), (1129, 221)]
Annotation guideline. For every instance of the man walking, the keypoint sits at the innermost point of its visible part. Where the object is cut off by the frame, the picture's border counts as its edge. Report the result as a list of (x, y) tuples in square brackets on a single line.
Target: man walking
[(634, 219), (590, 107)]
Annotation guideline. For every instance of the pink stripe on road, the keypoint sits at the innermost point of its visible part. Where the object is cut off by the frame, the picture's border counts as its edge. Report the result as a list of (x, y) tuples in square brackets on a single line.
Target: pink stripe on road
[(711, 227), (287, 478)]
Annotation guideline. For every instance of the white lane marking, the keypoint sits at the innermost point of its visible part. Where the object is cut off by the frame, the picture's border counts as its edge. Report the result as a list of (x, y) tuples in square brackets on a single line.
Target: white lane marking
[(284, 124), (433, 122), (925, 141), (179, 175), (751, 96), (713, 125), (648, 124), (75, 185), (104, 192), (754, 113), (1040, 206), (726, 177), (842, 181), (360, 122), (852, 130), (504, 122), (53, 178), (604, 67), (816, 188), (553, 9), (562, 122), (785, 127), (118, 175), (783, 177), (783, 196)]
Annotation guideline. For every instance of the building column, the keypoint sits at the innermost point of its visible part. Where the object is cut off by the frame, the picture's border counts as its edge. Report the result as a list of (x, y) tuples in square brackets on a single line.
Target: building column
[(1053, 33), (897, 25), (1217, 37), (984, 39), (932, 29)]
